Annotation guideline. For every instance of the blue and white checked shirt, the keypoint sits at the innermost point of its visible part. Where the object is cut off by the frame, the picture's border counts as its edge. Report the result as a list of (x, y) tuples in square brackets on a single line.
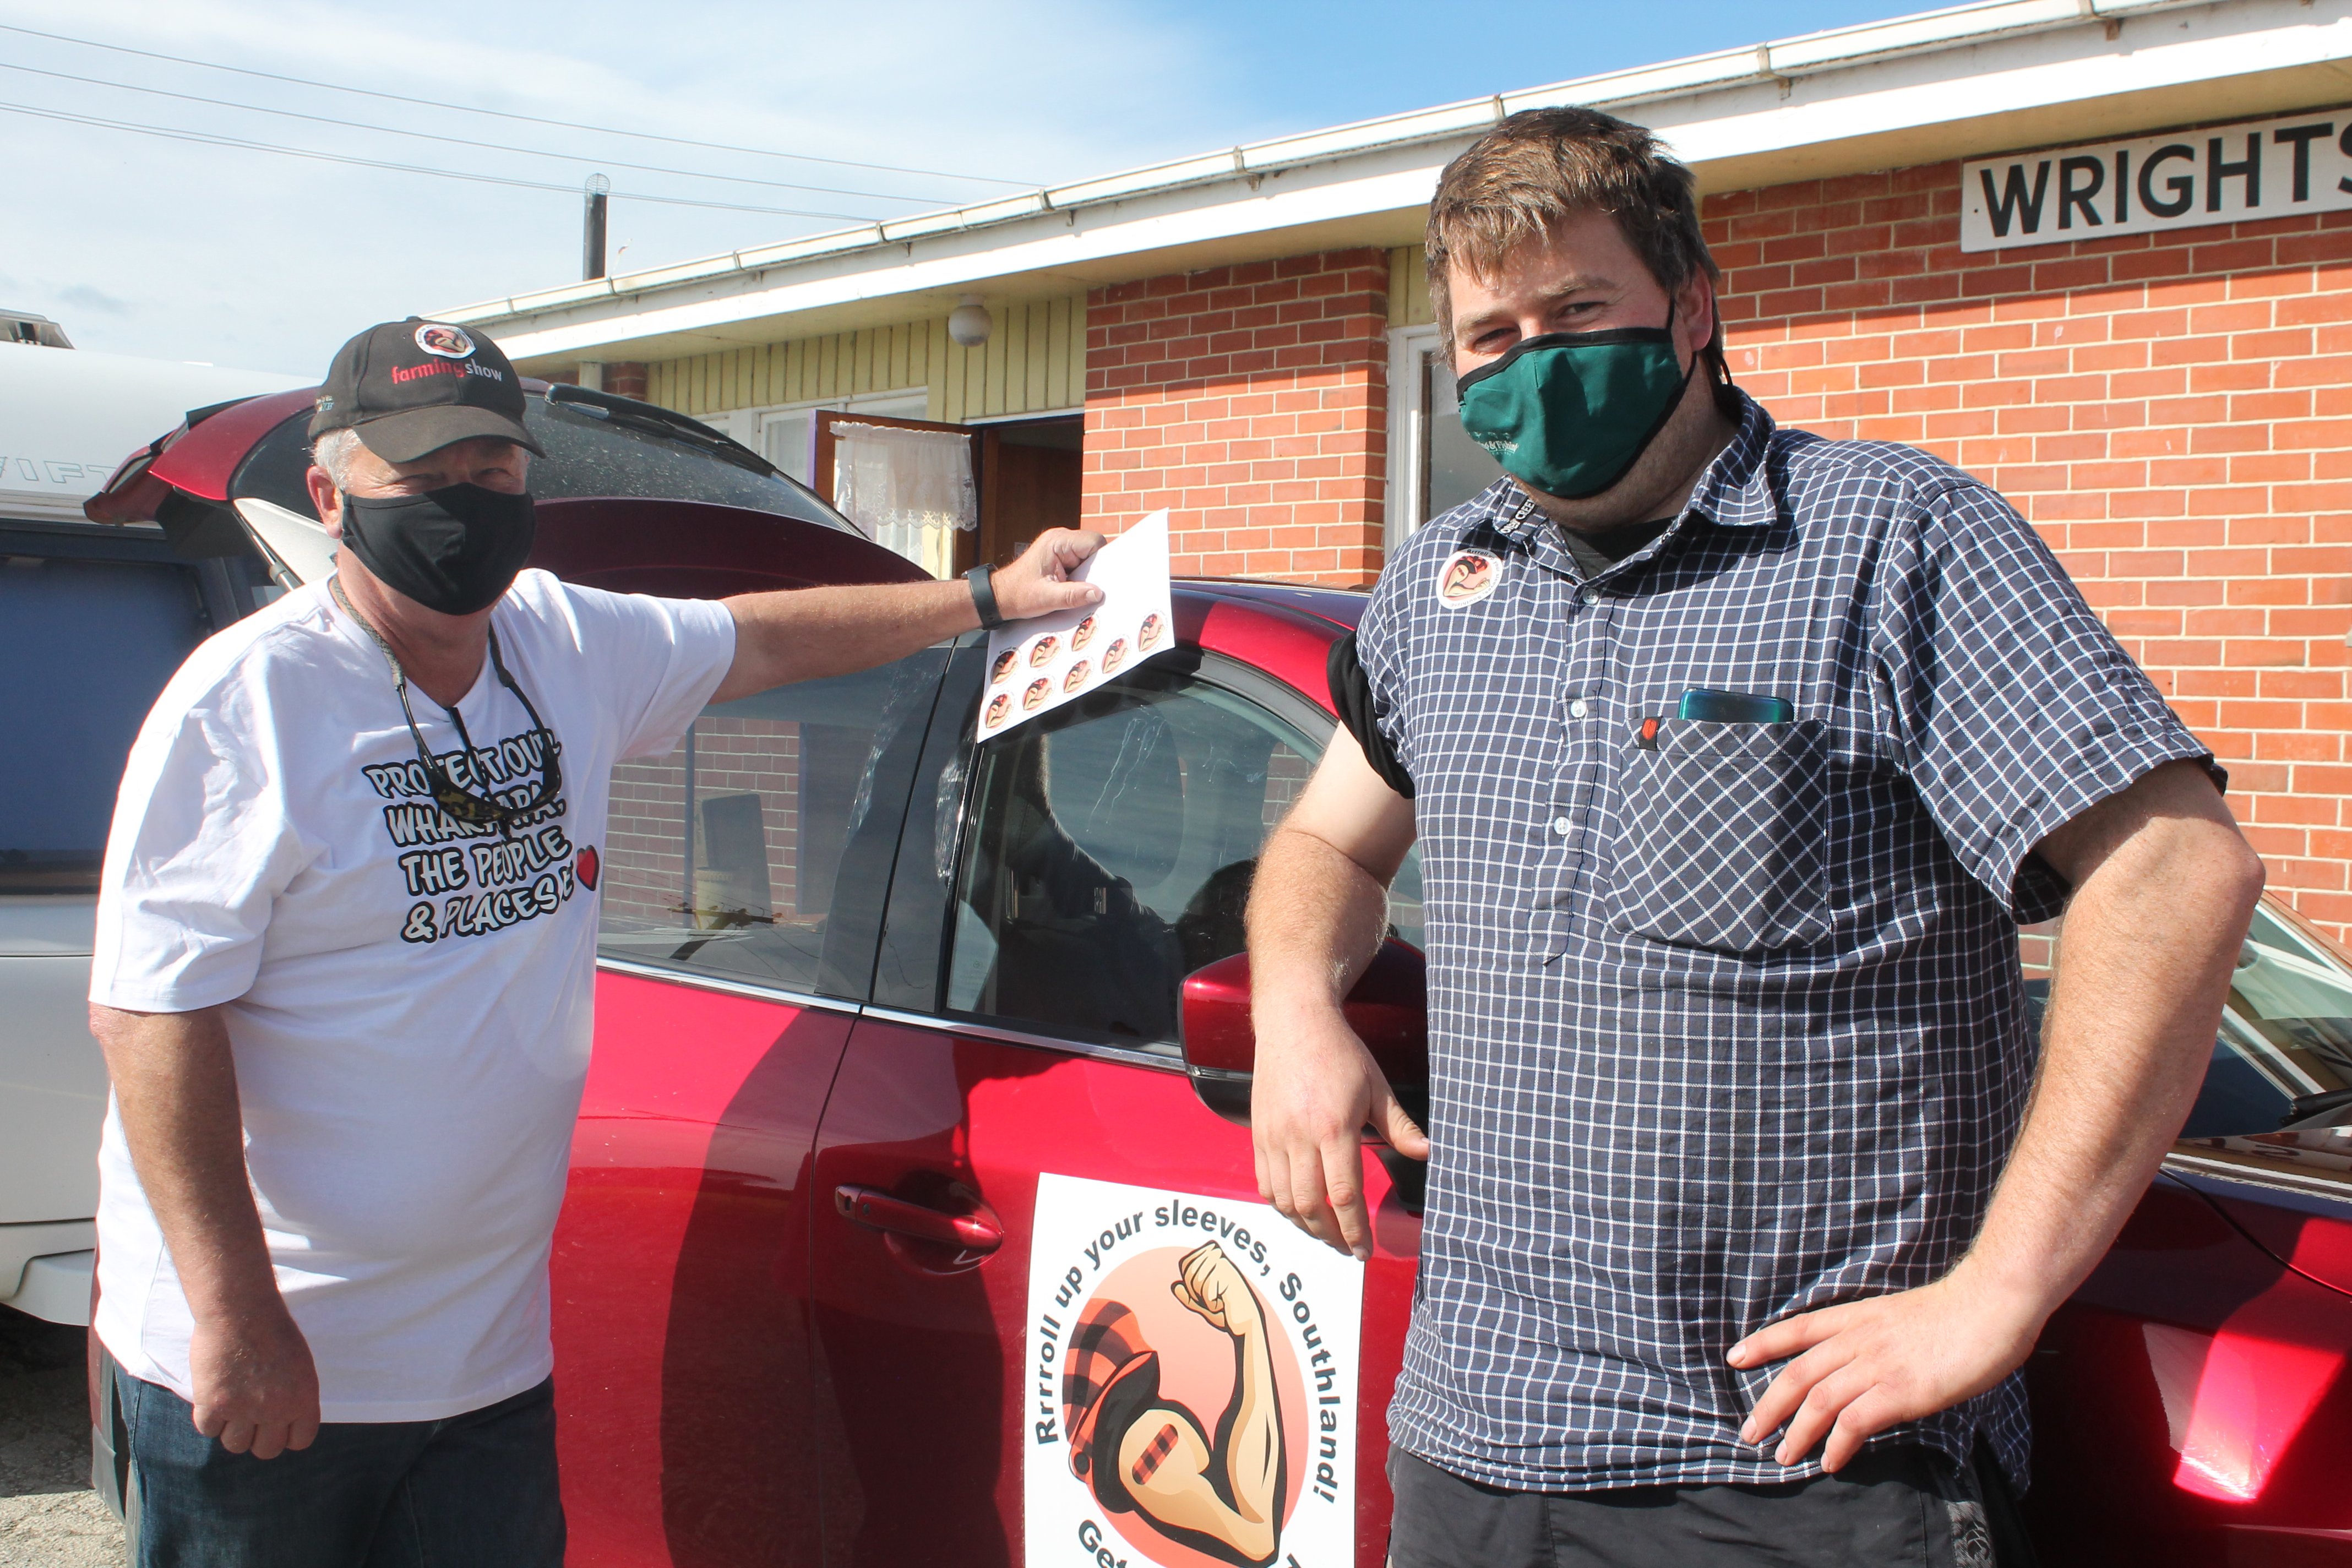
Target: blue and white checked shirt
[(1730, 1027)]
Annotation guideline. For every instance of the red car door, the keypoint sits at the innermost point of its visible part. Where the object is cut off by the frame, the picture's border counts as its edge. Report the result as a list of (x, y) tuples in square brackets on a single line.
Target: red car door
[(2192, 1402), (1049, 1311), (740, 905)]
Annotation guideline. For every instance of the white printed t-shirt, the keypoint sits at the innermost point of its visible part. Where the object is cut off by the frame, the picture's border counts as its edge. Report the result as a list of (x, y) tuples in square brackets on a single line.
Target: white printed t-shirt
[(409, 1001)]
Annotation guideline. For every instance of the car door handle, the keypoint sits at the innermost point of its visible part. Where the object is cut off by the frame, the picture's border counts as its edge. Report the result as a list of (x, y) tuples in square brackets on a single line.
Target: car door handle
[(877, 1210)]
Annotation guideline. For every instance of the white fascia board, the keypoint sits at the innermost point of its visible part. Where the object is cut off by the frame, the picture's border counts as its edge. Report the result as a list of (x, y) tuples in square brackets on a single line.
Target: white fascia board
[(1926, 31), (959, 263), (1749, 112), (1453, 119), (2196, 45), (1135, 182)]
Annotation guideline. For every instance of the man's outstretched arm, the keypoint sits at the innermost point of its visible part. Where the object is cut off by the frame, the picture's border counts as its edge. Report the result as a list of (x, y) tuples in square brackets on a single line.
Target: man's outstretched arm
[(1318, 909), (256, 1387), (804, 634), (2165, 888)]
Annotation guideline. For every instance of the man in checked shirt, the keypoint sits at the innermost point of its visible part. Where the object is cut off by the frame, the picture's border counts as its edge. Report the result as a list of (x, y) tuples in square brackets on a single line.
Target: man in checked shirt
[(1736, 756)]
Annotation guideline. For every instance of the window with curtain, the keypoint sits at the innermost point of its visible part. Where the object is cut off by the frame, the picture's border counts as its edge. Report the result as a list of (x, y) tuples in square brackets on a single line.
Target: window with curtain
[(913, 489)]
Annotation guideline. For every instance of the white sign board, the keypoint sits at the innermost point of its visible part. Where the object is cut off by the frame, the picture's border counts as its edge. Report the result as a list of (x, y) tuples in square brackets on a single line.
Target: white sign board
[(1036, 665), (2229, 173), (1192, 1381)]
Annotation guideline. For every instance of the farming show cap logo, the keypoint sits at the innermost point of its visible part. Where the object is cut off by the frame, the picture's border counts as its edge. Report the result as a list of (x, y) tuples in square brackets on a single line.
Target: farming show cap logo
[(1468, 577), (449, 341), (1194, 1382)]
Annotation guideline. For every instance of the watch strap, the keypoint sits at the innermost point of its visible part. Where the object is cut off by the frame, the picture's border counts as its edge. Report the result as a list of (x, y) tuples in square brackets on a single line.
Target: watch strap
[(983, 596)]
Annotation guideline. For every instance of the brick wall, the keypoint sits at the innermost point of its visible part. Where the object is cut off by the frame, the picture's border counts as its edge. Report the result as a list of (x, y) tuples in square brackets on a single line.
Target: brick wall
[(2173, 412), (1253, 400), (644, 836)]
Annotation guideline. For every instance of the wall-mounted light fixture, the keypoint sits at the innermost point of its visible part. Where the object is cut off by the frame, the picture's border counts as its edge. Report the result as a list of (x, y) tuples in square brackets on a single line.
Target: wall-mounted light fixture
[(969, 322)]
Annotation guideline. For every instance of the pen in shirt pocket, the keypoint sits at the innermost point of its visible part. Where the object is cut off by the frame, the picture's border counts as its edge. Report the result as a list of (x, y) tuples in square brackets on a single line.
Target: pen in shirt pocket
[(1702, 706)]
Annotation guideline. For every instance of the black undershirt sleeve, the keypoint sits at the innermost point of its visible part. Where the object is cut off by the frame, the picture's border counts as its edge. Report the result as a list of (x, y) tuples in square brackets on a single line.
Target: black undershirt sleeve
[(1351, 694)]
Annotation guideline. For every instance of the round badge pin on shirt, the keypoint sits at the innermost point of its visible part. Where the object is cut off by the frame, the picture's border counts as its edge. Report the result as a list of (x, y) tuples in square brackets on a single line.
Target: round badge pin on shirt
[(1468, 577)]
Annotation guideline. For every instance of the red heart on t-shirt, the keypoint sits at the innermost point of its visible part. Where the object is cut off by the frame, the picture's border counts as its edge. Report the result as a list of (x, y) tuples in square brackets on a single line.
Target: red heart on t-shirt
[(587, 866)]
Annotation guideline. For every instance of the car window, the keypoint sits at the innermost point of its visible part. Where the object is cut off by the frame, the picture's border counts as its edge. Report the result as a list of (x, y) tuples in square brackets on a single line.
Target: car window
[(2283, 1054), (1110, 848), (759, 849), (87, 644), (592, 450)]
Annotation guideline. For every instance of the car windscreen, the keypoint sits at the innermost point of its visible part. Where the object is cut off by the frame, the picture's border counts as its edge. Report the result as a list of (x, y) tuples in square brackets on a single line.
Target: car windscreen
[(610, 447), (86, 643), (2283, 1057)]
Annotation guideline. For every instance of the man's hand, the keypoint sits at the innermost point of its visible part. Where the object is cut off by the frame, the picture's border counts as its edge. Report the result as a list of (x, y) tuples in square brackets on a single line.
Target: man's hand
[(1864, 1367), (1311, 1098), (2164, 887), (256, 1387), (808, 633), (1039, 583), (1318, 909)]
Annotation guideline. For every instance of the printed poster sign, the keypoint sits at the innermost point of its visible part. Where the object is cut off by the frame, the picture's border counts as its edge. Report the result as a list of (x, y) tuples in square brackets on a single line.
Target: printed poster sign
[(1192, 1370), (1036, 665)]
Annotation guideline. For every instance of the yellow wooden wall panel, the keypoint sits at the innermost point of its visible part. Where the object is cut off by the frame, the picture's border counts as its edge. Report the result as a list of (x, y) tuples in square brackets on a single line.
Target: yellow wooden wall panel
[(1409, 288), (1032, 362)]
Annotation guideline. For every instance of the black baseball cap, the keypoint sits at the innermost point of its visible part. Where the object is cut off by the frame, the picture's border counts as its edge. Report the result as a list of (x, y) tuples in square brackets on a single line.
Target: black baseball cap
[(415, 386)]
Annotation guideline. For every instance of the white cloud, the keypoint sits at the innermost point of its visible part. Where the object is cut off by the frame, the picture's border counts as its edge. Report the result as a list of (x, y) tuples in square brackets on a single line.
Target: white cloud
[(251, 258)]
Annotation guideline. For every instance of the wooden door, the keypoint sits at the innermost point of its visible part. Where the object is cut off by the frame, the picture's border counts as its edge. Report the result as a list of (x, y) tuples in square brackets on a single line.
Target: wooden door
[(1030, 475)]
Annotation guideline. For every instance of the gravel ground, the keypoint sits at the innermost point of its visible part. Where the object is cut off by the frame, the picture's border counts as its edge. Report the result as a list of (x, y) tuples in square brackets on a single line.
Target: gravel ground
[(48, 1516)]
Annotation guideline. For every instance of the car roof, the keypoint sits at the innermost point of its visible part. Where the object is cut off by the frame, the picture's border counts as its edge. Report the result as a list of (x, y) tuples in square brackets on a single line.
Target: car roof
[(1343, 608)]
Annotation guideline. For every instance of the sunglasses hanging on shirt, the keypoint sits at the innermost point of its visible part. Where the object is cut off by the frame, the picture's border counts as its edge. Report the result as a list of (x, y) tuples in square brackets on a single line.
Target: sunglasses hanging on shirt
[(451, 795)]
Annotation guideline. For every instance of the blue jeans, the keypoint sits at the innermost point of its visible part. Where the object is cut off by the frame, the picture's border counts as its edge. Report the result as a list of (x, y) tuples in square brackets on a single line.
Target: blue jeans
[(477, 1489)]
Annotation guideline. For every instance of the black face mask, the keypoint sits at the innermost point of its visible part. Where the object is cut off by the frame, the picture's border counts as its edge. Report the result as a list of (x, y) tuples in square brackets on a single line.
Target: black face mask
[(454, 549)]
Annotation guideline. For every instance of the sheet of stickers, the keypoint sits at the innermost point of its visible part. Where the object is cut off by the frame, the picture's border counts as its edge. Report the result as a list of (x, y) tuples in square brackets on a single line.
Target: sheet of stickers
[(1036, 665)]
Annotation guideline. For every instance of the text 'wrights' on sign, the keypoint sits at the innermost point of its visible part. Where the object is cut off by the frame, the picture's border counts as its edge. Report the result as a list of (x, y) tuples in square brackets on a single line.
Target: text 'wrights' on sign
[(2227, 174)]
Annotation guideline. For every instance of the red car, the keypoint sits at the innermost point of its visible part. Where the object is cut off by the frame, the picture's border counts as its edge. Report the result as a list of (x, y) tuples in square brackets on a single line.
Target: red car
[(911, 1216)]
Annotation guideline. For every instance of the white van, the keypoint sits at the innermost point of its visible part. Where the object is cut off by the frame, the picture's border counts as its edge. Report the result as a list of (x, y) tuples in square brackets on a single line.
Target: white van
[(94, 617)]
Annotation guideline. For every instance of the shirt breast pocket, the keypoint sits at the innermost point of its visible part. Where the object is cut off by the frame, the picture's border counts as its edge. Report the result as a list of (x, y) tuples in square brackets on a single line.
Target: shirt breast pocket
[(1723, 837)]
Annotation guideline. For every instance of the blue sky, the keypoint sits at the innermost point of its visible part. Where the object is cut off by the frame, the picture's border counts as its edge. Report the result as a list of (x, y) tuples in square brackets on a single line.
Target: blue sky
[(1326, 64), (142, 244)]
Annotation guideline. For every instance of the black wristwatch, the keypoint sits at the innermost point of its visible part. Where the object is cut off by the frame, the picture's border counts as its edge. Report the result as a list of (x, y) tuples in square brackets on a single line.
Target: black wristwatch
[(983, 596)]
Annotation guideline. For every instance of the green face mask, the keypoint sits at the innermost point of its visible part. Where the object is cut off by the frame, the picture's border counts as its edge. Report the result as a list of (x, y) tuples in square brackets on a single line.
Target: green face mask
[(1568, 413)]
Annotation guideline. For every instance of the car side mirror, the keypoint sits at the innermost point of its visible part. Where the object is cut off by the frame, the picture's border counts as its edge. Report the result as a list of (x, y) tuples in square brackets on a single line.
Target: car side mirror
[(1388, 1008)]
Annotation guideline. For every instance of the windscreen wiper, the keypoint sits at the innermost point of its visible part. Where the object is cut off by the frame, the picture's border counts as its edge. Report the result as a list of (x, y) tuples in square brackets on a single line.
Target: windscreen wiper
[(654, 418), (2303, 1107)]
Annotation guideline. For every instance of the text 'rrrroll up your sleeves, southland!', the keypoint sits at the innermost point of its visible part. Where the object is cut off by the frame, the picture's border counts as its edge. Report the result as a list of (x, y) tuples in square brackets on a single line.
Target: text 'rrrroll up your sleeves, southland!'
[(2009, 703)]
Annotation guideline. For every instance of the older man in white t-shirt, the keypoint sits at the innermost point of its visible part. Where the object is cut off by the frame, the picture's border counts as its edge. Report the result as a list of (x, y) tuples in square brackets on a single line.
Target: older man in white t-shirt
[(347, 1061)]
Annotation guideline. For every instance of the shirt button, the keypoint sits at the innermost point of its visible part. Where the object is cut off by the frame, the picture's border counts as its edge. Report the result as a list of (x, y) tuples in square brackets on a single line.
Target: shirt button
[(1559, 825), (1579, 709), (1589, 596)]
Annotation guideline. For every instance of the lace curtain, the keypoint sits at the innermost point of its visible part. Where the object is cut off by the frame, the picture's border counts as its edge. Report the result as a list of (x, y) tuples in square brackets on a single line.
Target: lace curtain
[(913, 489)]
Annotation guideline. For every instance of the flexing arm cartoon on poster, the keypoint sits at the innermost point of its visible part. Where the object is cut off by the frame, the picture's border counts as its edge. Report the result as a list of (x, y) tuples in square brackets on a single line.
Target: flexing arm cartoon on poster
[(1222, 1494)]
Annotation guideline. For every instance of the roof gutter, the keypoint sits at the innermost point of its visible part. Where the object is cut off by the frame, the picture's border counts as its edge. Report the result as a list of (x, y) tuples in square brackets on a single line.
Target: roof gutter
[(1785, 61)]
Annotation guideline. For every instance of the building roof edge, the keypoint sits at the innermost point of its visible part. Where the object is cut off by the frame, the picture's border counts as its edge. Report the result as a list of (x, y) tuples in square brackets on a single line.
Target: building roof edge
[(1940, 31)]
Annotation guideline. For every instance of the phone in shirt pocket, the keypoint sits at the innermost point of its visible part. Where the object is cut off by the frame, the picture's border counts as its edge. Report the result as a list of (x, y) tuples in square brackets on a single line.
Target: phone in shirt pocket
[(1723, 826)]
